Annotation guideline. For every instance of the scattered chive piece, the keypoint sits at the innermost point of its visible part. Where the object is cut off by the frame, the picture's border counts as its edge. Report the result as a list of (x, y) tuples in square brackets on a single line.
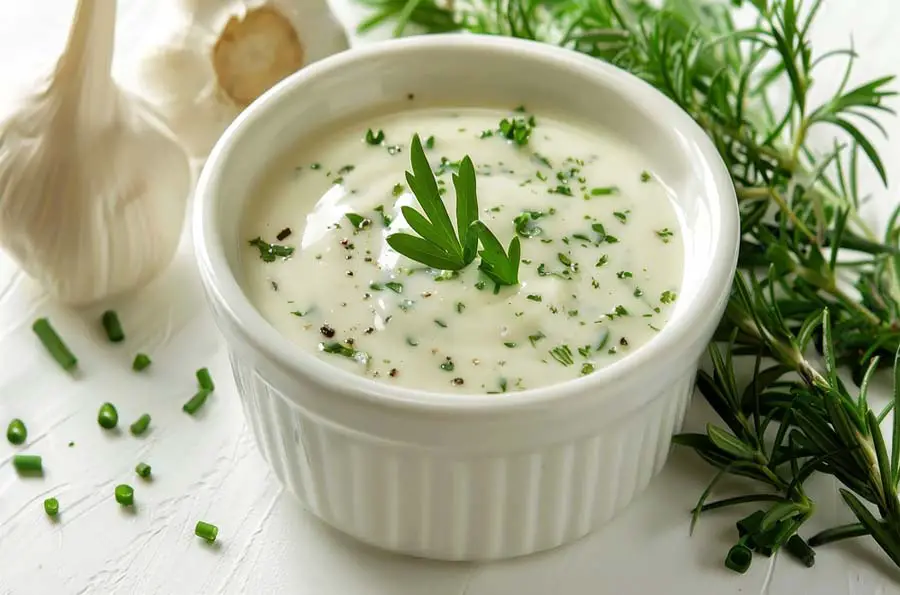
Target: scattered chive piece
[(54, 344), (28, 463), (196, 402), (125, 494), (112, 326), (141, 362), (206, 531), (51, 506), (143, 470), (739, 558), (108, 417), (606, 191), (645, 176), (16, 433), (141, 425), (205, 380)]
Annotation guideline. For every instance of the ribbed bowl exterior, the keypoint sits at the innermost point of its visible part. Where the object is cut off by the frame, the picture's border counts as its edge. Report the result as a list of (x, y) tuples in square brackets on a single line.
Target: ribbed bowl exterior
[(451, 505)]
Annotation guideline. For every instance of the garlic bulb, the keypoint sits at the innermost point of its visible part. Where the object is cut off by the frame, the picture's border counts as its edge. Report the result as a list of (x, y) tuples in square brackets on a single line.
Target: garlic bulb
[(227, 53), (92, 185)]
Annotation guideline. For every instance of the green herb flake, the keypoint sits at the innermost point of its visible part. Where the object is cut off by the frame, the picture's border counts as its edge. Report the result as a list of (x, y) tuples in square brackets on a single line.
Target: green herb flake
[(460, 307), (665, 234), (358, 221), (602, 260), (374, 138), (667, 297), (440, 323), (510, 344), (269, 252), (429, 142), (535, 297), (645, 176), (587, 368), (517, 130), (624, 275), (561, 189), (344, 350), (394, 286), (525, 223), (447, 365), (621, 216), (536, 337), (604, 191), (562, 354)]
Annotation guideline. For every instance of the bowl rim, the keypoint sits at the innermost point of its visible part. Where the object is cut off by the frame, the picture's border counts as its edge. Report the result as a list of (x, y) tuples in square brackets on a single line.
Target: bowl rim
[(223, 288)]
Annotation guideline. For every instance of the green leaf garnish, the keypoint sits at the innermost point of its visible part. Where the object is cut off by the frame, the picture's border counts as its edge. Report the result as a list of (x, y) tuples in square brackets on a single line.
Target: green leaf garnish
[(358, 221), (500, 266), (269, 252), (437, 244)]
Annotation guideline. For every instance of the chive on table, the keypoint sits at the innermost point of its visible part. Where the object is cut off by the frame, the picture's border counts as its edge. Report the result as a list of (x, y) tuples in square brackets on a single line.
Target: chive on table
[(205, 467)]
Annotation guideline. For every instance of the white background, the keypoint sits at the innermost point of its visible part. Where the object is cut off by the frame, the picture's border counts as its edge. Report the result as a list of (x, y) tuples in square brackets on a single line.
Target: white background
[(208, 468)]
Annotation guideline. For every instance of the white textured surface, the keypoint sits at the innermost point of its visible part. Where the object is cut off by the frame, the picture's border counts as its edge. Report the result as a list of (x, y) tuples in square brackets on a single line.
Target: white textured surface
[(208, 467)]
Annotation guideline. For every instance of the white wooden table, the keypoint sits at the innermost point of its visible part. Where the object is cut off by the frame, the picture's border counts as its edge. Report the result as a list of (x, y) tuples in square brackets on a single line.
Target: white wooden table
[(208, 468)]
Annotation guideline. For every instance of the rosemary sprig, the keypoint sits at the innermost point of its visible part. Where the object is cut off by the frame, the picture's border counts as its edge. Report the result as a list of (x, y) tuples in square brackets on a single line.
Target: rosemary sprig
[(833, 286)]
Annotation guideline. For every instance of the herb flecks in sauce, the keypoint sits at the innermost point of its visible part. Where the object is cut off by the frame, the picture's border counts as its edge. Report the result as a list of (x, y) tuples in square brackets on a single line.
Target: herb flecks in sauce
[(575, 294)]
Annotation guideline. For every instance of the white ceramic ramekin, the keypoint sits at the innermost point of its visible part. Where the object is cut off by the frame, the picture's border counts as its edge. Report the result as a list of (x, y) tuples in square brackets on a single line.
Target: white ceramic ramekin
[(471, 477)]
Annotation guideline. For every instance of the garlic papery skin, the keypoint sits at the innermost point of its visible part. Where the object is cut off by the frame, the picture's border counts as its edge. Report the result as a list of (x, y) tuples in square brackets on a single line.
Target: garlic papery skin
[(226, 53), (92, 185)]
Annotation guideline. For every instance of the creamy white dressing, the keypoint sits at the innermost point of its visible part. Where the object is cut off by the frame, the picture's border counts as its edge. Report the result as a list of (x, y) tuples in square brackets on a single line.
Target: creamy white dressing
[(599, 273)]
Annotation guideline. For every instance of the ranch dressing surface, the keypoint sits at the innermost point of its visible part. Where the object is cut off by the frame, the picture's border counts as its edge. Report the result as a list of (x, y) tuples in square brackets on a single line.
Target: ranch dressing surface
[(601, 252)]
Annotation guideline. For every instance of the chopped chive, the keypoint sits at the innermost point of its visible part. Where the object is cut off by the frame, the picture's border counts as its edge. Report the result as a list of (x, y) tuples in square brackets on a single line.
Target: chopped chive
[(141, 425), (358, 221), (739, 558), (205, 380), (196, 402), (51, 506), (28, 463), (374, 138), (54, 344), (605, 191), (206, 531), (440, 323), (143, 470), (447, 366), (460, 307), (394, 286), (16, 433), (125, 494), (534, 297), (645, 176), (112, 326), (511, 344), (429, 142), (667, 297), (107, 417), (562, 354), (141, 362)]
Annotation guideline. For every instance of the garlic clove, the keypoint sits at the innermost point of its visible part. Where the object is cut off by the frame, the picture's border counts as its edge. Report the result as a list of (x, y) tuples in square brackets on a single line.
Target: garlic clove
[(92, 184), (255, 52), (228, 53)]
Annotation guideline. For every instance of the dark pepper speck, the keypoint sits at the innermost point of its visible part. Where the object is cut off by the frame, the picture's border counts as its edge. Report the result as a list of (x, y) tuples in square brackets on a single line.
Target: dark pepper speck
[(327, 331)]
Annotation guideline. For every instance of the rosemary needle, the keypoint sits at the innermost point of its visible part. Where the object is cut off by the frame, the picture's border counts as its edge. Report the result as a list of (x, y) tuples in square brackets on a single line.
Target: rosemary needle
[(54, 344)]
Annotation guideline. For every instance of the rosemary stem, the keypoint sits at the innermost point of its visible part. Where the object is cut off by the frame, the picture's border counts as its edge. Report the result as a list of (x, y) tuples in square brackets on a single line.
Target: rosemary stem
[(839, 533), (789, 212)]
